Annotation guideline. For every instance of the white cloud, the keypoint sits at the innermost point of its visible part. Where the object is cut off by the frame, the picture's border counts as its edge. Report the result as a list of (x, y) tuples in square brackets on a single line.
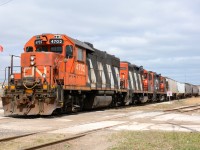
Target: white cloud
[(160, 35)]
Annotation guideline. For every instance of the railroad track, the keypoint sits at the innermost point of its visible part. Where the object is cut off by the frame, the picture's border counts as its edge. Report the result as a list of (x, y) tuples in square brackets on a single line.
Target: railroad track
[(185, 108), (15, 137), (8, 139), (79, 135), (76, 136)]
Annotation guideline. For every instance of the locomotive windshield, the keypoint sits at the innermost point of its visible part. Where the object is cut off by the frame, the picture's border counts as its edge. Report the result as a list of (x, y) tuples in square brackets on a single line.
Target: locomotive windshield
[(145, 76), (55, 49), (42, 49)]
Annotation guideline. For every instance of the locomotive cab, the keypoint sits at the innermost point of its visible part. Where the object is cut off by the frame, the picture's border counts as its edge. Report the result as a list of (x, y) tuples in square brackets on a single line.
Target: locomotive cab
[(146, 80), (67, 61), (124, 69)]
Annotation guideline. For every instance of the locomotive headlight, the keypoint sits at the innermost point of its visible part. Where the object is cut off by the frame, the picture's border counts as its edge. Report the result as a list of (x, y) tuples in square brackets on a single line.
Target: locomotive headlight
[(44, 75), (32, 62), (32, 58), (145, 81), (11, 76), (12, 87)]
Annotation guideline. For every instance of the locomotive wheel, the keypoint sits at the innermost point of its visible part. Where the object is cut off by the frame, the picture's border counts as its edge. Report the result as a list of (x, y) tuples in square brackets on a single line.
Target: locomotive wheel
[(77, 104), (73, 103), (162, 98), (144, 99)]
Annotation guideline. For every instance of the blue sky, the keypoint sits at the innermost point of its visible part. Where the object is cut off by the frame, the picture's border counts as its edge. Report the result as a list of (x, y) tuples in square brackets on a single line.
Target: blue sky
[(162, 36)]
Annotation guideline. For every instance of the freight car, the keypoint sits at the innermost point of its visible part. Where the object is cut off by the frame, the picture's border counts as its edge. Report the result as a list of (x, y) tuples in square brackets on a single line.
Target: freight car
[(188, 90), (181, 90), (195, 90), (199, 89), (62, 74), (172, 86)]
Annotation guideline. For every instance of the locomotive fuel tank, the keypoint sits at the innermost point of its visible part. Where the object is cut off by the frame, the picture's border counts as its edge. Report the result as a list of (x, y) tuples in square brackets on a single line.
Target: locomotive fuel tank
[(98, 102)]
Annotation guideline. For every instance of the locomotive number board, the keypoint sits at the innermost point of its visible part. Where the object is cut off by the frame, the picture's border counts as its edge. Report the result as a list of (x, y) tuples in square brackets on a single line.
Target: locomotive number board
[(56, 41), (38, 42), (51, 41)]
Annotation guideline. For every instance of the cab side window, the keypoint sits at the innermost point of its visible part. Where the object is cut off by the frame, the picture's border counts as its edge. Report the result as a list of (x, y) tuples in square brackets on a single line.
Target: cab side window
[(29, 49), (80, 54), (69, 51), (145, 76), (150, 77)]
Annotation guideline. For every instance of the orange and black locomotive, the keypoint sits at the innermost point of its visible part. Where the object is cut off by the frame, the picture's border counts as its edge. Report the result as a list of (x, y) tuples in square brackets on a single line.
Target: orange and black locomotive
[(59, 73)]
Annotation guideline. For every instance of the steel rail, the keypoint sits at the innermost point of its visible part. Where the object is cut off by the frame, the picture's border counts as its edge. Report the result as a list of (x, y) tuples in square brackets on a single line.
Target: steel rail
[(181, 109), (16, 137), (71, 138)]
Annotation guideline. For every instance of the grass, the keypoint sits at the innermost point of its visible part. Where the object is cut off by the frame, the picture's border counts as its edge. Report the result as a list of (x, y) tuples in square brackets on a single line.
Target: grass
[(154, 140)]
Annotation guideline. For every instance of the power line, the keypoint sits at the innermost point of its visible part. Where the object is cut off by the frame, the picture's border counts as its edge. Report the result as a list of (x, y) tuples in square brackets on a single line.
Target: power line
[(6, 3)]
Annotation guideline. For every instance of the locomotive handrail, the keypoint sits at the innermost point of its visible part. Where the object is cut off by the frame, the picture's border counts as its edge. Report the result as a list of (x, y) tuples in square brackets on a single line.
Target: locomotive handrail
[(5, 78), (9, 73), (21, 73), (11, 66)]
